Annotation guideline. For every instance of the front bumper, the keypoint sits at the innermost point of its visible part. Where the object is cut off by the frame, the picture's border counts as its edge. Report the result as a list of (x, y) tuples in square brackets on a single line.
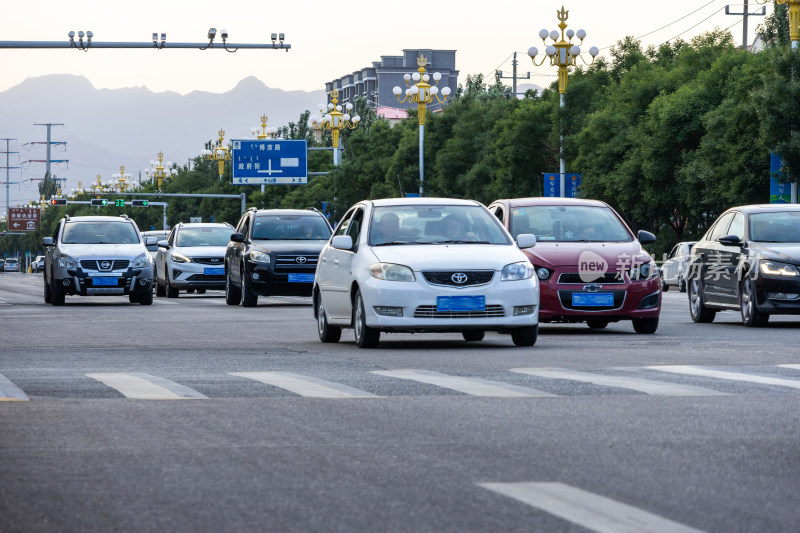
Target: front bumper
[(418, 301), (82, 282), (632, 300), (264, 281), (197, 275), (777, 296)]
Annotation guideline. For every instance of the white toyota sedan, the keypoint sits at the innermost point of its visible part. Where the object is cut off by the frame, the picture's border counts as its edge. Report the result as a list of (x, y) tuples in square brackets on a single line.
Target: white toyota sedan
[(425, 265)]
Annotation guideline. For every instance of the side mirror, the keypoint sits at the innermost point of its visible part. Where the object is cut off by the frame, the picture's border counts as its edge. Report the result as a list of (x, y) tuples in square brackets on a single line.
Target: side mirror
[(645, 237), (730, 240), (163, 244), (237, 237), (150, 240), (342, 242), (47, 241), (526, 240)]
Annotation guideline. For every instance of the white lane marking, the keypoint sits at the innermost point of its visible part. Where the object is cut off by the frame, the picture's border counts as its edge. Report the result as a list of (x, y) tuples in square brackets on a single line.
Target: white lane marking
[(647, 386), (3, 301), (731, 376), (10, 392), (164, 302), (472, 386), (793, 367), (305, 385), (141, 386), (589, 510)]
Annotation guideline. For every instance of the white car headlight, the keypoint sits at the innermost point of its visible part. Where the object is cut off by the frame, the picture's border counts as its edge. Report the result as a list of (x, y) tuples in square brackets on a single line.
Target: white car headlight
[(643, 272), (517, 271), (391, 272), (142, 261), (783, 270), (180, 258), (65, 261), (259, 257)]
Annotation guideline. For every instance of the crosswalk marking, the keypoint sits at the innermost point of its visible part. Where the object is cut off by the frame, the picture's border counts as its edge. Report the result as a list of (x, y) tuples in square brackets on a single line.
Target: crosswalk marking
[(654, 388), (587, 509), (141, 386), (793, 367), (731, 376), (472, 386), (10, 392), (305, 385)]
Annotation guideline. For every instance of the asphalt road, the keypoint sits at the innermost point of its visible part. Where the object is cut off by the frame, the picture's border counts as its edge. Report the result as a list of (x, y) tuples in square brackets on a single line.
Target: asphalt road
[(252, 424)]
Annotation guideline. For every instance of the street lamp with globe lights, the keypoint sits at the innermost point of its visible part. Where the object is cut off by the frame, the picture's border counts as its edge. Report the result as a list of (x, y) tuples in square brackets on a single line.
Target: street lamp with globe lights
[(160, 170), (220, 154), (422, 94), (562, 53), (122, 178), (335, 121), (266, 132)]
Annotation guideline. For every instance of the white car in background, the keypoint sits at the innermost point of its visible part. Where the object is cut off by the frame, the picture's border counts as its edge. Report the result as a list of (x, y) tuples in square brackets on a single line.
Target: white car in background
[(425, 265)]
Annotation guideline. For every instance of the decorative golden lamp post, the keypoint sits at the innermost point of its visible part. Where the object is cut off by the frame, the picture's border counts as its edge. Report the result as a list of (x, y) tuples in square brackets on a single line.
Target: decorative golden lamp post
[(220, 154), (563, 53), (266, 132), (421, 93), (121, 178), (335, 121), (160, 170)]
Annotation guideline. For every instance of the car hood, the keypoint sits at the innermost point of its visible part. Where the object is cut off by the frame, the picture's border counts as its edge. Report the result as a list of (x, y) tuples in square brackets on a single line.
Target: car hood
[(566, 254), (789, 252), (449, 256), (201, 251), (103, 251), (293, 247)]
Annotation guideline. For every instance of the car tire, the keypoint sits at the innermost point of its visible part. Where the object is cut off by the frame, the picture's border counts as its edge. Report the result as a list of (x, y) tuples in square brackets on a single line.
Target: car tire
[(233, 294), (525, 336), (201, 291), (48, 294), (473, 335), (645, 325), (169, 289), (146, 298), (664, 286), (366, 337), (249, 298), (57, 295), (327, 333), (597, 324), (133, 298), (751, 316), (697, 308), (682, 285), (160, 290)]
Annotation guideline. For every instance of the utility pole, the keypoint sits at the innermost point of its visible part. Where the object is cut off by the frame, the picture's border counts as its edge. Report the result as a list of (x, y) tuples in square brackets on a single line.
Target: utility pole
[(49, 159), (8, 179), (514, 76), (745, 15)]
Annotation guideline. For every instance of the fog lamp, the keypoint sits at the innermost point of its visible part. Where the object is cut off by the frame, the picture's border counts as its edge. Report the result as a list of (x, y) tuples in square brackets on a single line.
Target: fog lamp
[(388, 311), (524, 309)]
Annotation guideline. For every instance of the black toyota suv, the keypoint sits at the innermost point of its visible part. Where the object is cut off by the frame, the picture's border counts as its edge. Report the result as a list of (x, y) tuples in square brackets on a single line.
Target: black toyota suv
[(274, 253)]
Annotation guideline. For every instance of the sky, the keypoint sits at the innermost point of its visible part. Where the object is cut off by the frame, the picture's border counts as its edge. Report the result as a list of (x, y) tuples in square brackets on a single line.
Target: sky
[(328, 39)]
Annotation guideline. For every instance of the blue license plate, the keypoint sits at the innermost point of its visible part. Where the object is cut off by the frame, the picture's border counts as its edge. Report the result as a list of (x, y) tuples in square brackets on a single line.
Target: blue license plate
[(301, 278), (592, 299), (461, 303), (214, 271), (104, 282)]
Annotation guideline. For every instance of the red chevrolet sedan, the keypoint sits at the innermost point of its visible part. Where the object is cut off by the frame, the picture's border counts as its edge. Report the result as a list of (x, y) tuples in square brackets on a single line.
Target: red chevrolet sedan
[(591, 266)]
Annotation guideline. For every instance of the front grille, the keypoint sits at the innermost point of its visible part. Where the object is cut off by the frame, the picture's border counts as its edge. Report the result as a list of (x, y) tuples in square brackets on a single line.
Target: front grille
[(573, 278), (94, 264), (290, 263), (203, 277), (208, 260), (429, 311), (566, 301), (474, 277)]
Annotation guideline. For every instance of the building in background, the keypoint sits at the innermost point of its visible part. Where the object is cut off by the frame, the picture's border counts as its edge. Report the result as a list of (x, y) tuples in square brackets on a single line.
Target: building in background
[(375, 83)]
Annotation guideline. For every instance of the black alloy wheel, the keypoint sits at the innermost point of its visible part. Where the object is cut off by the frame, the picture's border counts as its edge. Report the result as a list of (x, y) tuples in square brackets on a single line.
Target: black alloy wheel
[(751, 316), (697, 308)]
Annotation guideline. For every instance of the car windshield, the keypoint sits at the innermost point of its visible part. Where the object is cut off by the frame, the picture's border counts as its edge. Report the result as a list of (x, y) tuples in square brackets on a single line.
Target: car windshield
[(208, 236), (778, 226), (11, 261), (291, 228), (100, 232), (434, 224), (569, 223)]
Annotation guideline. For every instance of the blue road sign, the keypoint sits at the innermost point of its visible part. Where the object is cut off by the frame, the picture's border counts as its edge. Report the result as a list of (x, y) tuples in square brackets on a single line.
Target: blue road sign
[(552, 185), (779, 193), (270, 162)]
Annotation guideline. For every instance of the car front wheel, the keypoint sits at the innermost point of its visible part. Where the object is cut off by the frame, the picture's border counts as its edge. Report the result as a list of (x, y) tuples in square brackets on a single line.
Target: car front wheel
[(645, 325), (525, 336), (327, 333), (232, 293), (48, 295), (751, 316), (473, 335), (700, 313), (170, 290), (366, 337), (249, 298)]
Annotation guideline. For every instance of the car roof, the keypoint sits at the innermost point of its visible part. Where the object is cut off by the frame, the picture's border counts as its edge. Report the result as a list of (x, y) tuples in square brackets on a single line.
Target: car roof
[(422, 201), (98, 219), (759, 208), (541, 200), (295, 212), (203, 225)]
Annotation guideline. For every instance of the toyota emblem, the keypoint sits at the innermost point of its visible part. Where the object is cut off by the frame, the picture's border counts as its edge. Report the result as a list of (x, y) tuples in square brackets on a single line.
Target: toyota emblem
[(301, 260), (459, 278), (105, 265)]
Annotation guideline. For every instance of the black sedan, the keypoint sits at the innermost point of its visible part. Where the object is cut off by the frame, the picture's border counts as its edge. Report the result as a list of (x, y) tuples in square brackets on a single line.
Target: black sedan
[(748, 261)]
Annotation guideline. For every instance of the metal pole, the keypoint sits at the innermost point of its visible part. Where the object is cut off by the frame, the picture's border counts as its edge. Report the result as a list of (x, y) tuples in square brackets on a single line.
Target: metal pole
[(47, 167), (514, 76), (244, 203), (421, 158), (8, 205), (562, 180), (164, 207), (744, 25), (337, 157)]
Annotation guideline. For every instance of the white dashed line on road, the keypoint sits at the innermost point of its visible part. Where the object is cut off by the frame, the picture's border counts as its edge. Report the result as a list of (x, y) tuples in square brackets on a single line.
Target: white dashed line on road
[(471, 386), (141, 386), (305, 386), (10, 392), (730, 376)]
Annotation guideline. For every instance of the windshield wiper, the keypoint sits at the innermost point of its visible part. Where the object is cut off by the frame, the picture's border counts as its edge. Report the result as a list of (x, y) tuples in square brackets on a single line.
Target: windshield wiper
[(461, 242), (396, 243)]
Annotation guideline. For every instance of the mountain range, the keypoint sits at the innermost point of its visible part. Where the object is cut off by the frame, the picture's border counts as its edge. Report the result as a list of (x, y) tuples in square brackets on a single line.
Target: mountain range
[(106, 128)]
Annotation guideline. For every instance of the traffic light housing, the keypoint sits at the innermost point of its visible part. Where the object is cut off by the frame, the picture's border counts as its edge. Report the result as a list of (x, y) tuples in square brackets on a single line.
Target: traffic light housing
[(102, 202), (58, 201), (140, 203)]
